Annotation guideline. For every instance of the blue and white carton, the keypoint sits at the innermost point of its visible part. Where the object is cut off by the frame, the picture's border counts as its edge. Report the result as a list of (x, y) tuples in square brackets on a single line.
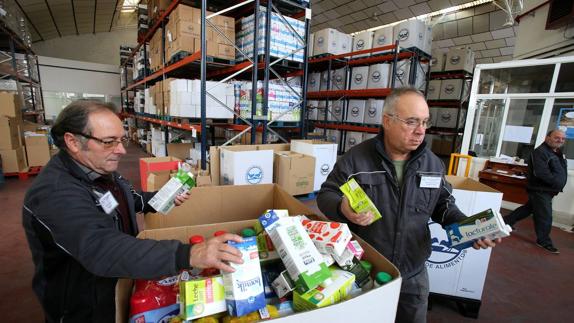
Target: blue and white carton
[(244, 290)]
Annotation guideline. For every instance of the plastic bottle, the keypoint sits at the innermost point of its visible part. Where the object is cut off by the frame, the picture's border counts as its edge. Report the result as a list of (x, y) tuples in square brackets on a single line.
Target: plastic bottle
[(248, 232), (367, 265), (382, 278), (369, 284), (195, 239), (218, 233)]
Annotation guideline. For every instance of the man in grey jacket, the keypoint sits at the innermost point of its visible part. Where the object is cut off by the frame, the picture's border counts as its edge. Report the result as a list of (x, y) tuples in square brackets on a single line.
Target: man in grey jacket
[(547, 175), (80, 222), (406, 182)]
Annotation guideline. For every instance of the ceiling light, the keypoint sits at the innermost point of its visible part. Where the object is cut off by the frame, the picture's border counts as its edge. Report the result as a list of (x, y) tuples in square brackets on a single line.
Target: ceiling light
[(129, 6)]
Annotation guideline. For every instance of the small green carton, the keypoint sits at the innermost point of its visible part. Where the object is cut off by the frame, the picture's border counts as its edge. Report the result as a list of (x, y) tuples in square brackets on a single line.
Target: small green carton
[(358, 199)]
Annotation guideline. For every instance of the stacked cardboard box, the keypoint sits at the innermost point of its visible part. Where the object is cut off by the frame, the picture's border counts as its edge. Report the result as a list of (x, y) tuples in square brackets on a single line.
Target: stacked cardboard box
[(12, 152), (282, 102), (156, 8)]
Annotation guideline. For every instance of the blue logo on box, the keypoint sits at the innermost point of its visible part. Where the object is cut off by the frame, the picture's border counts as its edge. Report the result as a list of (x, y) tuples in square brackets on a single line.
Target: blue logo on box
[(442, 253), (254, 175)]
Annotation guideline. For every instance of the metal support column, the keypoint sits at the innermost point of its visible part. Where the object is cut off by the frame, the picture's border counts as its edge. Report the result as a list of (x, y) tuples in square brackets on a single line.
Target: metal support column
[(203, 87), (265, 101), (304, 78), (254, 71), (394, 68)]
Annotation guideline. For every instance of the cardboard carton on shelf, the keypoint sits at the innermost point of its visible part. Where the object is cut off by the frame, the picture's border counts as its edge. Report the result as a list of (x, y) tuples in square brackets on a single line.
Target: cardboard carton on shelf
[(14, 160), (9, 133), (37, 149), (218, 205), (294, 172), (11, 105)]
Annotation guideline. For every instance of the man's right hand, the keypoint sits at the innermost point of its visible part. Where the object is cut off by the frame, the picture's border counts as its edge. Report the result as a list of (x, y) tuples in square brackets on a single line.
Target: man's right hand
[(362, 219), (215, 253)]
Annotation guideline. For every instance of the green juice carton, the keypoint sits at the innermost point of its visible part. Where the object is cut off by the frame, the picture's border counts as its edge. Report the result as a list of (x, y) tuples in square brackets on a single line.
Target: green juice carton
[(163, 200), (332, 291), (201, 297), (358, 199)]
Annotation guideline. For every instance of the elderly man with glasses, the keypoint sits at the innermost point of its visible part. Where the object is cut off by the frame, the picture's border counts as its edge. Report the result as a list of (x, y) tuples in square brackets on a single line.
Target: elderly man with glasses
[(80, 222), (406, 182)]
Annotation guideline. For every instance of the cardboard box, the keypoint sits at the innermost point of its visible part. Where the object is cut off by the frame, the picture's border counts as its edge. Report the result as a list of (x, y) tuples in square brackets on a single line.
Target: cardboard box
[(459, 60), (362, 41), (353, 138), (339, 79), (378, 76), (37, 150), (461, 273), (336, 110), (325, 154), (13, 160), (410, 33), (154, 164), (314, 83), (326, 41), (9, 133), (294, 172), (433, 91), (383, 37), (214, 156), (374, 111), (359, 77), (447, 117), (245, 167), (356, 111), (11, 105), (437, 61), (156, 180), (454, 89), (218, 204), (179, 150)]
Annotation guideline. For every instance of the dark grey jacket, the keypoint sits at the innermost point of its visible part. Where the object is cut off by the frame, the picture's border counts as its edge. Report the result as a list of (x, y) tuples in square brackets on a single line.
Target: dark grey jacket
[(402, 235), (79, 250), (547, 170)]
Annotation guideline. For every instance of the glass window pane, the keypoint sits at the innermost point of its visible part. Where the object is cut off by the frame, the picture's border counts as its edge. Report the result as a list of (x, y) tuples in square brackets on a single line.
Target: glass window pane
[(565, 78), (525, 79), (486, 128), (564, 108), (521, 129)]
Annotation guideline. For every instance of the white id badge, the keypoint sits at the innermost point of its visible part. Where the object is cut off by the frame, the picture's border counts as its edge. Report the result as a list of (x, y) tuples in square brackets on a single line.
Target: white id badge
[(430, 181), (108, 202)]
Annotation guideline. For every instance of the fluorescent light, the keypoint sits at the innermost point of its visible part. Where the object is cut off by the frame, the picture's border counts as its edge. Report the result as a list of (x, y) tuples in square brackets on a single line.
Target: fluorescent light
[(129, 6), (432, 14)]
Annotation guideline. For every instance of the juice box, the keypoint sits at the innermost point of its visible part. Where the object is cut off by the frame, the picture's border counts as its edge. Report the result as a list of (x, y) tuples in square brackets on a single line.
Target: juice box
[(334, 290), (269, 220), (244, 291), (163, 200), (283, 284), (201, 297), (353, 250), (329, 237), (358, 199), (266, 248), (486, 224)]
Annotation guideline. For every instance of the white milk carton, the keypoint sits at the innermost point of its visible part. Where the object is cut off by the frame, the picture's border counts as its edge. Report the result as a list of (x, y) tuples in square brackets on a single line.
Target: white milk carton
[(244, 291), (486, 224), (329, 237), (163, 200)]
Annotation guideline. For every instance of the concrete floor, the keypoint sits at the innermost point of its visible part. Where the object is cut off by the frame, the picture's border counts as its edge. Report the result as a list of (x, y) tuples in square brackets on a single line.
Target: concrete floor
[(524, 283)]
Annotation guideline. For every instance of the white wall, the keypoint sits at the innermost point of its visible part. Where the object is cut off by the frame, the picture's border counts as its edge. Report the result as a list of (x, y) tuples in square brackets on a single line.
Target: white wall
[(101, 48), (533, 41)]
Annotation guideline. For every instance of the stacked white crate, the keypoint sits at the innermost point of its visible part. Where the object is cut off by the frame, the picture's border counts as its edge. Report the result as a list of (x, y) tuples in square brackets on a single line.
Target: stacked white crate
[(185, 99), (331, 41)]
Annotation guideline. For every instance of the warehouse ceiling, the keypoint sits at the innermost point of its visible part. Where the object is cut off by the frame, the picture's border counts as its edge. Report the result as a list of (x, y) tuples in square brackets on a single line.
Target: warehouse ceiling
[(49, 19)]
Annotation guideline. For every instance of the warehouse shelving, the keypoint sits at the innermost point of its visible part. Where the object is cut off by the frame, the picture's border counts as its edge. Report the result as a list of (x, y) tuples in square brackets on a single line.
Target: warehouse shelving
[(19, 63), (198, 65), (461, 104), (385, 54)]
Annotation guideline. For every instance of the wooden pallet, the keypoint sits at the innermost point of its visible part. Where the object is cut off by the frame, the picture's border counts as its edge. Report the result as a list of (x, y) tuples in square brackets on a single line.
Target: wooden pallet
[(26, 173)]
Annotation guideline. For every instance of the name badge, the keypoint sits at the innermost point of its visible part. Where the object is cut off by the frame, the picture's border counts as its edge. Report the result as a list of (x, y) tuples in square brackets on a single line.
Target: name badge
[(430, 181), (108, 202)]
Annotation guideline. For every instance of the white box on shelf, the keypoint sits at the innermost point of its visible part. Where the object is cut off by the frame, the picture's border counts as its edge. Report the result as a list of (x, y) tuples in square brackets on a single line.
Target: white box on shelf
[(410, 33), (353, 138), (402, 73), (333, 136), (446, 117), (378, 76), (437, 60), (314, 83), (336, 111), (356, 111), (325, 154), (359, 78), (326, 42), (383, 37), (312, 107), (374, 111), (460, 59), (427, 40), (363, 41), (453, 89), (325, 84), (246, 167), (339, 79), (345, 43), (433, 92)]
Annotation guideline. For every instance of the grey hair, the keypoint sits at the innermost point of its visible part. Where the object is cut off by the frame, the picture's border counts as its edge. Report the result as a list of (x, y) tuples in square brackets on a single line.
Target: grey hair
[(554, 130), (74, 119), (391, 100)]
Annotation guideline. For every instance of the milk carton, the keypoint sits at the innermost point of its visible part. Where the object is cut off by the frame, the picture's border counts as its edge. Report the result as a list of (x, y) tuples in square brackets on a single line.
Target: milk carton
[(353, 250), (163, 200), (201, 297), (486, 224), (358, 199), (337, 289), (329, 237), (283, 284), (244, 291), (303, 261)]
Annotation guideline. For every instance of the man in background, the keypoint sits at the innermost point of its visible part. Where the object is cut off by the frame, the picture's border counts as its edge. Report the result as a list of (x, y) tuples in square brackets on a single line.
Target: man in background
[(547, 175)]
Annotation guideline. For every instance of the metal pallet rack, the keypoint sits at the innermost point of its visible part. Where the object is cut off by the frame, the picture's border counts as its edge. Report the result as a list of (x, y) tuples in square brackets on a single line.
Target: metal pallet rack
[(260, 67), (391, 53), (19, 63)]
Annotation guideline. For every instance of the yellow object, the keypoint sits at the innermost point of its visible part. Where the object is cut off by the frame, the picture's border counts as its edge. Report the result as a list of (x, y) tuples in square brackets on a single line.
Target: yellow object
[(207, 319), (252, 317), (358, 199), (453, 164)]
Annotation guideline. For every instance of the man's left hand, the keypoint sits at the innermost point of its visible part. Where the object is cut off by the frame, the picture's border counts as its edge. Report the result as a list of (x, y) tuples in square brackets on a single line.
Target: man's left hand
[(181, 198), (485, 243)]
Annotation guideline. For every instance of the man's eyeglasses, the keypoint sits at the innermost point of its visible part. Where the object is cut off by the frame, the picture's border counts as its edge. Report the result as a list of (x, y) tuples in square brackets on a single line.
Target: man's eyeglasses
[(412, 123), (107, 143)]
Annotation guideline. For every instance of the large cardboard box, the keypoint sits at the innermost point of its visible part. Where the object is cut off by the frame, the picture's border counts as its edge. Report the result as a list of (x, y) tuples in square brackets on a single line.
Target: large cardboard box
[(156, 180), (461, 273), (11, 105), (245, 167), (37, 149), (155, 164), (325, 154), (214, 156), (13, 160), (218, 205), (294, 172), (179, 150), (9, 133)]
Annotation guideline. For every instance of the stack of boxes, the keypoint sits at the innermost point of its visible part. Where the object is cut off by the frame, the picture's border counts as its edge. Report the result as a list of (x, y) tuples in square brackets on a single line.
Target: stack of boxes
[(12, 152), (282, 102), (143, 20), (283, 43)]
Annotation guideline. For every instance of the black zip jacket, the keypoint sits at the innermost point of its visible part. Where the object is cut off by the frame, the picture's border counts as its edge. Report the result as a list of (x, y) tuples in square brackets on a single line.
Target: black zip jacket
[(547, 170), (79, 251), (402, 235)]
